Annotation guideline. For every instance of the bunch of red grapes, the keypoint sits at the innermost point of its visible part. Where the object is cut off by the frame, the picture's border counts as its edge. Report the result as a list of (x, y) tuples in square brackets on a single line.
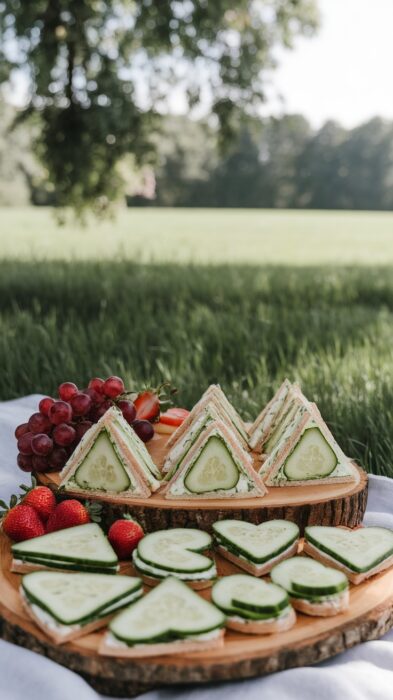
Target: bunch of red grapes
[(50, 436)]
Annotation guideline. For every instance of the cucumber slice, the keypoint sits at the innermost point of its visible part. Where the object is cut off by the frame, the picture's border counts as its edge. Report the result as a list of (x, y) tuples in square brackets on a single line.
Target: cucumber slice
[(85, 544), (241, 595), (102, 468), (176, 550), (170, 611), (75, 598), (360, 550), (150, 570), (213, 469), (68, 566), (312, 578), (258, 543), (312, 458)]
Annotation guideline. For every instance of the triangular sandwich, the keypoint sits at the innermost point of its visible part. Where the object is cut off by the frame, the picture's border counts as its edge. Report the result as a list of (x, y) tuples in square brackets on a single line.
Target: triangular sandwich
[(306, 452), (268, 417), (213, 394), (216, 466), (112, 460), (68, 606), (171, 619), (80, 548)]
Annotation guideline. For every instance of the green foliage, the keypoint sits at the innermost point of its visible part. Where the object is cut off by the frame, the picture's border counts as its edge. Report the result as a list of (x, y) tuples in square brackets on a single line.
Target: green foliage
[(88, 63), (246, 327)]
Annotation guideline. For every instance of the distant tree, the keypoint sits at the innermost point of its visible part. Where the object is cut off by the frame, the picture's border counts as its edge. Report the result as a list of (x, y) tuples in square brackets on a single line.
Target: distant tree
[(99, 73)]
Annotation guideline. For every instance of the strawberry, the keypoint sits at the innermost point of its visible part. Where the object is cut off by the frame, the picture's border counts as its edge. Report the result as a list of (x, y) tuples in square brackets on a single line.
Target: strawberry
[(147, 406), (174, 416), (124, 536), (67, 514), (22, 523), (42, 500)]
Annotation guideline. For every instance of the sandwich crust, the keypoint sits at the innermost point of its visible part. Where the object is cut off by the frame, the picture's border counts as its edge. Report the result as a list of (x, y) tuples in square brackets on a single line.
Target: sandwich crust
[(353, 576), (152, 582), (327, 609), (186, 646), (263, 626)]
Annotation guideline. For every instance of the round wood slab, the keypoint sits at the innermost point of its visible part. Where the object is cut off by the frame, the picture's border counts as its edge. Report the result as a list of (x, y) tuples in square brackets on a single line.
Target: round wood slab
[(321, 504), (311, 640)]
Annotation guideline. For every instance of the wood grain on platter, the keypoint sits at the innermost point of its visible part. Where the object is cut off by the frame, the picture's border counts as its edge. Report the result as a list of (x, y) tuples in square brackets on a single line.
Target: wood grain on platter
[(322, 504), (311, 640)]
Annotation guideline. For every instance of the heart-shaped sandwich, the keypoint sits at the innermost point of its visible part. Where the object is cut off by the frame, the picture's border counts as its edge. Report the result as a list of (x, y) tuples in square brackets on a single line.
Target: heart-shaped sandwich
[(256, 548), (171, 619), (176, 553), (253, 606), (359, 553), (313, 588)]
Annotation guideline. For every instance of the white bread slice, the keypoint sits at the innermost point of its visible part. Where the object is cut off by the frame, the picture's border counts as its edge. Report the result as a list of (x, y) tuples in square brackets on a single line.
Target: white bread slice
[(242, 459), (152, 582), (186, 646), (326, 609), (257, 569), (353, 576), (270, 626)]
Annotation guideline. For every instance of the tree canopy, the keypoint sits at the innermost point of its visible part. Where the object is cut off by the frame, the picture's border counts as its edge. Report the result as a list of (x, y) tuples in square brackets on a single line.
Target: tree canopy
[(100, 74)]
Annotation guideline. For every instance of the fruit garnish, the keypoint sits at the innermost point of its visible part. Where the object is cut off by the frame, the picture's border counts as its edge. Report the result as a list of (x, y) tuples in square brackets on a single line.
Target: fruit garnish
[(143, 429), (64, 434), (21, 430), (147, 405), (24, 444), (25, 462), (41, 498), (41, 444), (60, 412), (21, 522), (67, 390), (128, 410), (113, 387), (45, 404), (81, 404), (174, 416), (124, 535), (67, 514)]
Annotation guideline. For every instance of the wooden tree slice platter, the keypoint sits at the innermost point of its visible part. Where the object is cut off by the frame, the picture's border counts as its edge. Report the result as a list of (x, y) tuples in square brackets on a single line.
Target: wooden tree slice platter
[(243, 656), (322, 504)]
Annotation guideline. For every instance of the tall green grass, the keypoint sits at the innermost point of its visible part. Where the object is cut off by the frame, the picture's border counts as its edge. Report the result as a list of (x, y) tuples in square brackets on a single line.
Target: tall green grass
[(245, 327)]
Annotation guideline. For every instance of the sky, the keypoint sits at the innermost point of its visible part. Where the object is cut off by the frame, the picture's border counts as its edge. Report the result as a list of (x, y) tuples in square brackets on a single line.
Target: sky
[(346, 71)]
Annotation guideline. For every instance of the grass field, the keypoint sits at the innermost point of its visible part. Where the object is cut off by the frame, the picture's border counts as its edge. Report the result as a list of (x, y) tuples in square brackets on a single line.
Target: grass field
[(204, 236)]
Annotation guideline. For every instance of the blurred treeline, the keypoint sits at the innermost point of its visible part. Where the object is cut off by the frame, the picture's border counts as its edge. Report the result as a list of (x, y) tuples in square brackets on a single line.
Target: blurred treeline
[(273, 162)]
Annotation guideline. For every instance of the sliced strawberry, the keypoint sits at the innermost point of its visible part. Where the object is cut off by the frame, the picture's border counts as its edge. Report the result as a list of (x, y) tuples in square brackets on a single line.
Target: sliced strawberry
[(174, 416), (147, 406)]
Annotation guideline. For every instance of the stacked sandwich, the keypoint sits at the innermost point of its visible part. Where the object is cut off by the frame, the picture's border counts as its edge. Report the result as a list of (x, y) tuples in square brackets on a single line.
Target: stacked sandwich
[(208, 454), (297, 446)]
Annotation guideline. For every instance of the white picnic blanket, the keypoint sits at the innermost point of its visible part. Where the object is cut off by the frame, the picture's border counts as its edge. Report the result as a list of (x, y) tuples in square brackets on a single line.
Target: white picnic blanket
[(363, 673)]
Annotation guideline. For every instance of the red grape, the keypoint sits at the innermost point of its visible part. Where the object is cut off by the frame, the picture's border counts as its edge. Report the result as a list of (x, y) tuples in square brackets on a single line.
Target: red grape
[(40, 464), (24, 444), (82, 428), (41, 444), (143, 429), (81, 404), (21, 430), (64, 434), (95, 396), (38, 423), (128, 410), (113, 386), (67, 390), (58, 458), (99, 411), (25, 462), (45, 404), (97, 384), (60, 412)]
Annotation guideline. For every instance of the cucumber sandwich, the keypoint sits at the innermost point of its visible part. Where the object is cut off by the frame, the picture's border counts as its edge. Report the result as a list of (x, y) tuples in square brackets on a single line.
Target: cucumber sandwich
[(256, 548), (171, 619), (253, 606), (177, 553), (300, 449), (215, 466), (213, 395), (358, 553), (80, 548), (268, 417), (313, 589), (67, 606), (111, 460)]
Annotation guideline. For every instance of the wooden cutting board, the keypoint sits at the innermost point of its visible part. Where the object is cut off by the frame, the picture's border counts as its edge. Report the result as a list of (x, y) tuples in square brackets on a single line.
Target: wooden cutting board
[(311, 640), (320, 504)]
